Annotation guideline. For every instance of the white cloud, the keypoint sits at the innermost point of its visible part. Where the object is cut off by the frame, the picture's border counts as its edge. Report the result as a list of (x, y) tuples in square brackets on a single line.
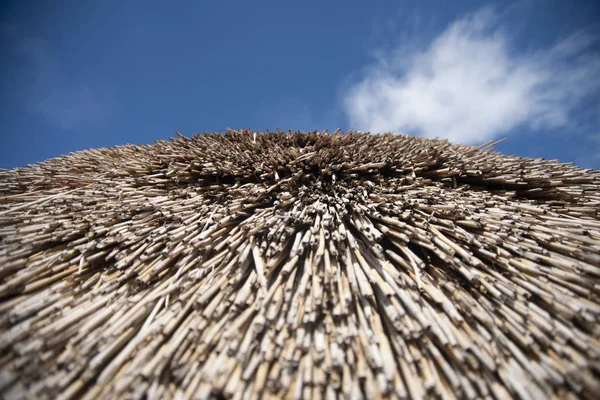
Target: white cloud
[(468, 86), (71, 106), (44, 89)]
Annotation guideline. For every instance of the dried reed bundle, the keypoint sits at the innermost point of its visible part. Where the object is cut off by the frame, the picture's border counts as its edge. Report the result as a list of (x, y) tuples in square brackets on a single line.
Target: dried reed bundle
[(274, 265)]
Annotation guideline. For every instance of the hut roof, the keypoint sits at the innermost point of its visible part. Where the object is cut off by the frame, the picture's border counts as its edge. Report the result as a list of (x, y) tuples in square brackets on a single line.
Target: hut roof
[(299, 265)]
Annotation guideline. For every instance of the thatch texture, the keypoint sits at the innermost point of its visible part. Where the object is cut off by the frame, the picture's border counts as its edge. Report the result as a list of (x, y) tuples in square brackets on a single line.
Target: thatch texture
[(251, 265)]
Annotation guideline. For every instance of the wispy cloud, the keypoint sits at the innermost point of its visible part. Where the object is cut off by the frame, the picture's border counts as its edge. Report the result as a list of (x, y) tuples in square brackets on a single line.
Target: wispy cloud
[(469, 85), (44, 89), (72, 106)]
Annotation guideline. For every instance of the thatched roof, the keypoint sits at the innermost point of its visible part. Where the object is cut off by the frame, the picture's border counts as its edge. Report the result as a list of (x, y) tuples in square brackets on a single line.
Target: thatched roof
[(299, 265)]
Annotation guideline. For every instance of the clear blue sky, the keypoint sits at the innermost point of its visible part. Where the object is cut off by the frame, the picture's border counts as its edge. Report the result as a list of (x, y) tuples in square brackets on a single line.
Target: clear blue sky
[(77, 74)]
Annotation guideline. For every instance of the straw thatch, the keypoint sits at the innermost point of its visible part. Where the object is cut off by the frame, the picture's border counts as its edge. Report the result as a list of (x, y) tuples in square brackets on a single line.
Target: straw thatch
[(251, 265)]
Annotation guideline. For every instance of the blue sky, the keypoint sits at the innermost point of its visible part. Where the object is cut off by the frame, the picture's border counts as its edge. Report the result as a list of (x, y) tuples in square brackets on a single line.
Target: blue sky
[(77, 75)]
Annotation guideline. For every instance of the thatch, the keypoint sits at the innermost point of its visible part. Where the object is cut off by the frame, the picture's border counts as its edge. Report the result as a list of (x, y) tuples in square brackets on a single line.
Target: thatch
[(251, 265)]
